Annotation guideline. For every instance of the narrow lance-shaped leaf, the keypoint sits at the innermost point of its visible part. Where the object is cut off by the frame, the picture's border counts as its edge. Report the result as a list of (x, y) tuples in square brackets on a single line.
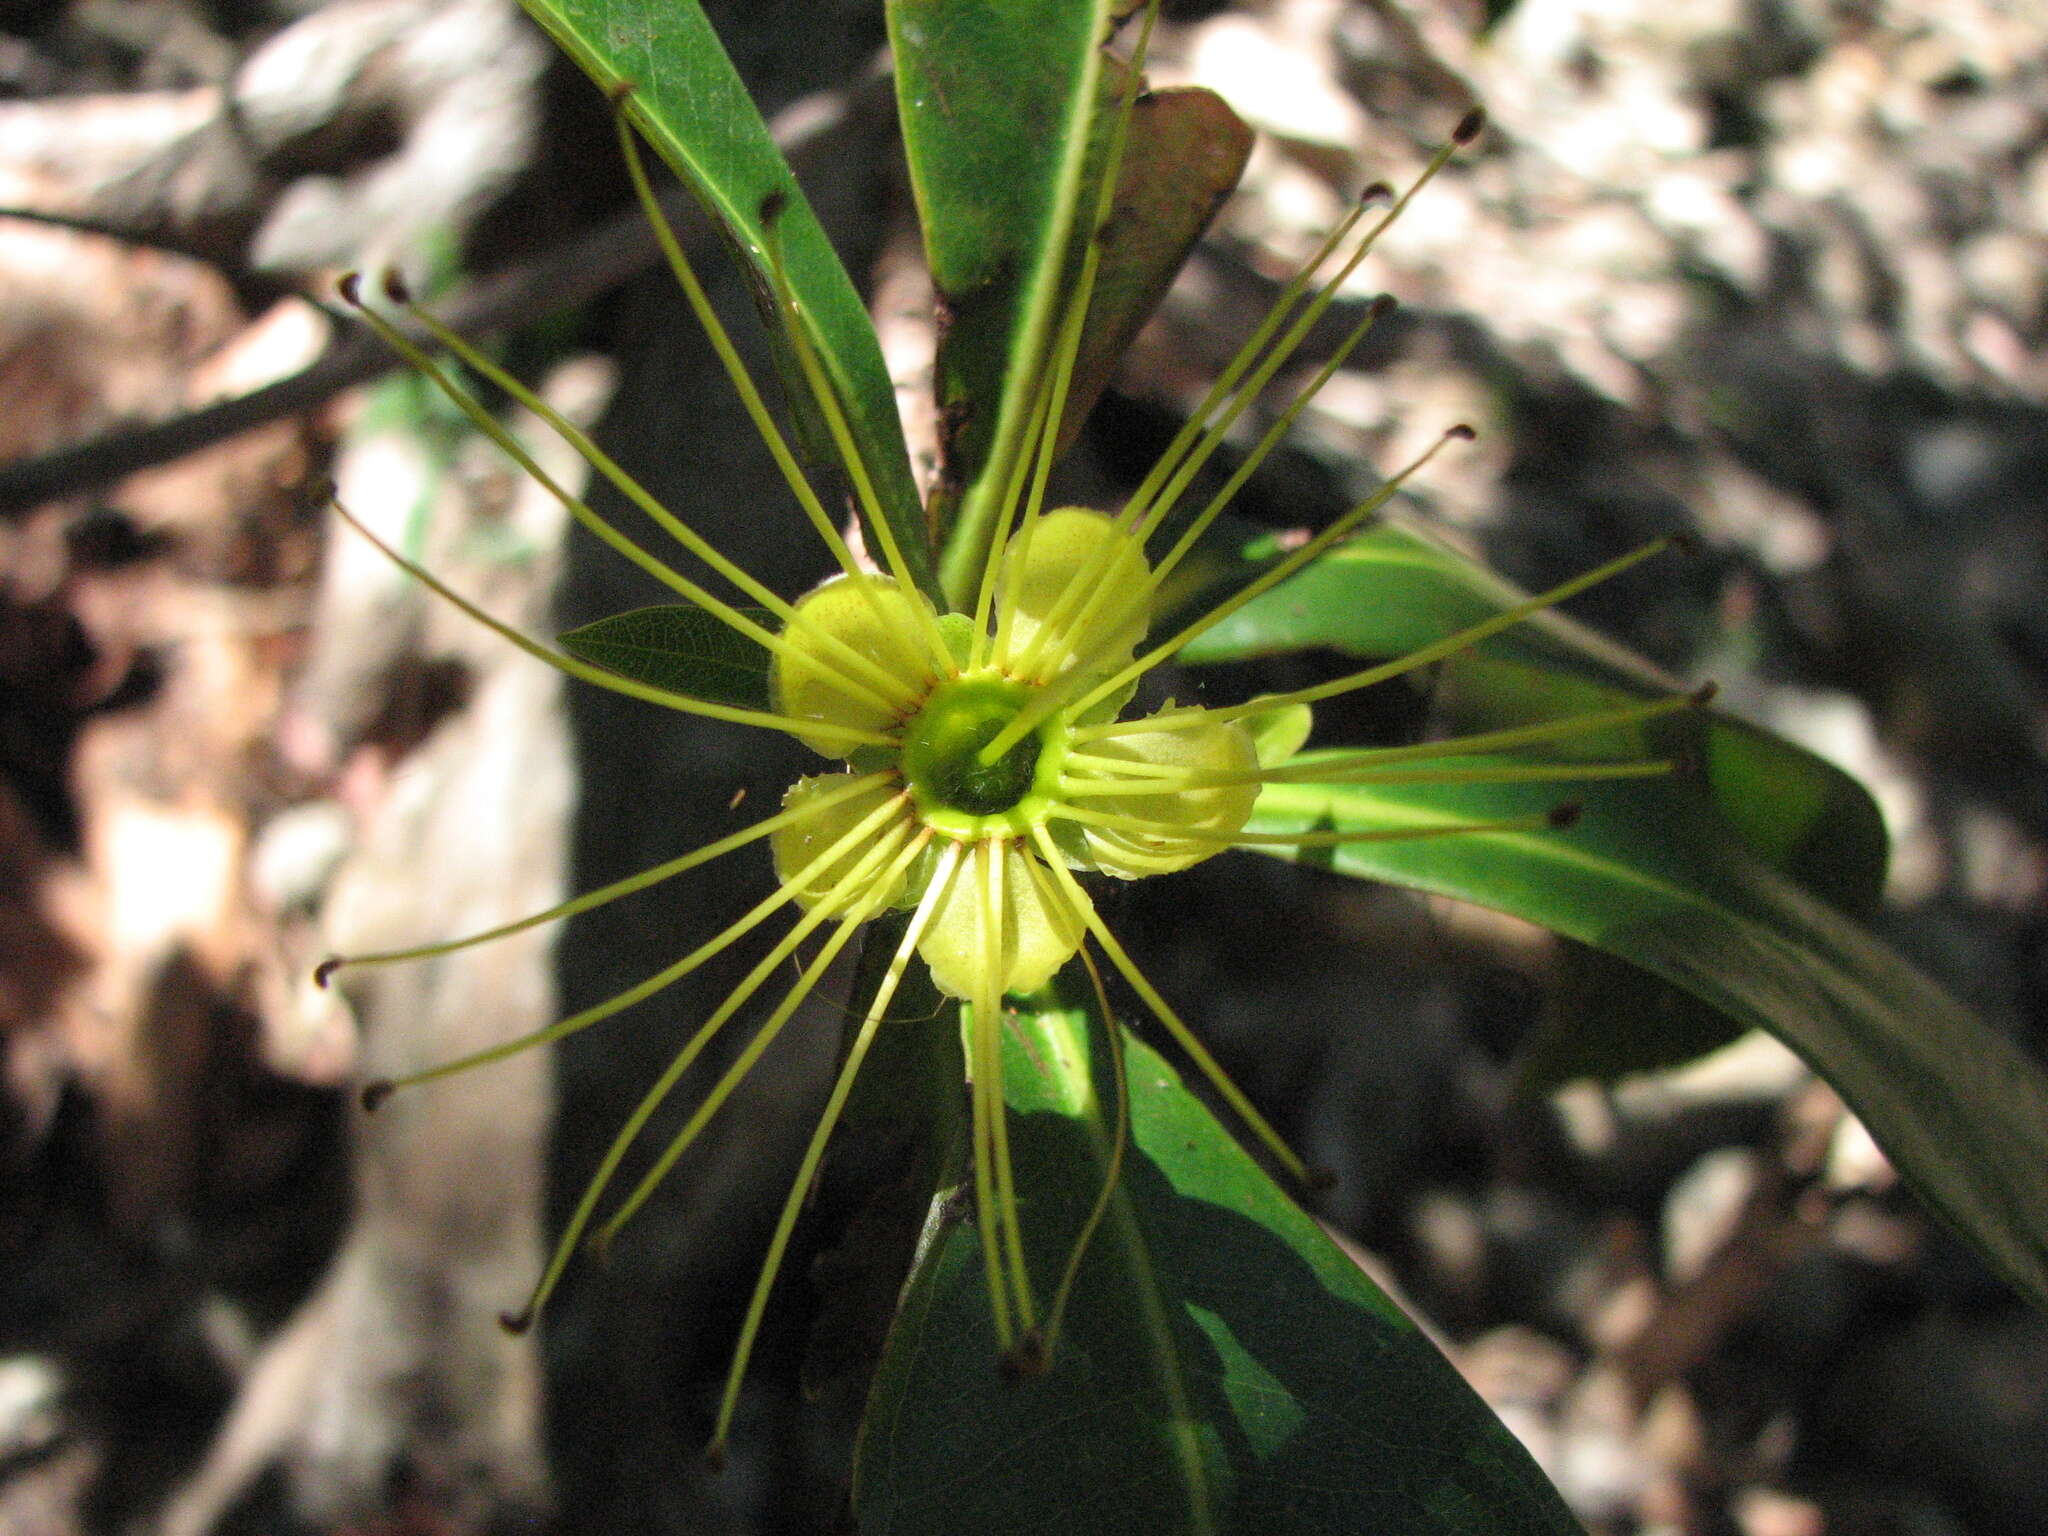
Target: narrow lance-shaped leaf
[(1223, 1367), (1394, 590), (1008, 196), (996, 100), (695, 111), (1651, 874)]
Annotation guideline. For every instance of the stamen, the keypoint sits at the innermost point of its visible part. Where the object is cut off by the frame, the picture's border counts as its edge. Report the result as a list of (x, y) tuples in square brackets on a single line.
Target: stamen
[(375, 1093), (1283, 305), (1014, 433), (1541, 821), (994, 894), (836, 901), (849, 660), (589, 899), (1069, 346), (1096, 593), (1342, 770), (814, 1153), (1326, 838), (1052, 696), (1213, 436), (1184, 1037), (728, 356), (581, 510), (850, 919), (1438, 650), (617, 683), (985, 1073), (827, 398), (1120, 1139), (999, 545)]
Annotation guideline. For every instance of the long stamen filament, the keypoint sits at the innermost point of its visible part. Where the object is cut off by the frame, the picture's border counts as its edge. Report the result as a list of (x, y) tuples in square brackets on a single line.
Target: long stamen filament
[(985, 1105), (1438, 650), (1213, 435), (728, 356), (589, 899), (616, 682), (814, 1153), (1340, 771), (1283, 305), (1119, 1142), (1184, 1037), (880, 687), (1098, 593), (834, 902), (850, 919), (995, 1180), (1013, 490), (827, 398), (374, 1093), (1068, 351), (1111, 821), (1053, 696), (577, 507)]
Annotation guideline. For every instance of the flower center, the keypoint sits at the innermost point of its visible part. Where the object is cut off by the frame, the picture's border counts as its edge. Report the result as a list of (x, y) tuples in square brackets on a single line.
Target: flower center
[(942, 744)]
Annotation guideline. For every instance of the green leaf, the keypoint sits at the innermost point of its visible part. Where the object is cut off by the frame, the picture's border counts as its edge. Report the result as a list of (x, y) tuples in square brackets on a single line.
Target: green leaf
[(694, 110), (1005, 187), (1652, 875), (1223, 1366), (996, 100), (1393, 590), (680, 648)]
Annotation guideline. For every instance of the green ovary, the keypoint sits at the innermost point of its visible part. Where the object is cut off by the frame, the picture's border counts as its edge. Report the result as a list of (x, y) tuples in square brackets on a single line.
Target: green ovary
[(955, 791)]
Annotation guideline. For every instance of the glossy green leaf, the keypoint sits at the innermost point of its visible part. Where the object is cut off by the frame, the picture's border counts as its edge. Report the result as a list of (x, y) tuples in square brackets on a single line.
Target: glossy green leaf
[(996, 100), (696, 113), (680, 648), (1393, 590), (1006, 189), (1652, 875), (1224, 1366)]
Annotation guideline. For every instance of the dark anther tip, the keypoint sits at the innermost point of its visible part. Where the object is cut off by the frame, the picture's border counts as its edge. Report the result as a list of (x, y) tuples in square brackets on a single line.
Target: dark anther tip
[(1384, 305), (1463, 432), (714, 1456), (375, 1093), (1377, 192), (1688, 543), (1566, 815), (1705, 694), (1320, 1179), (351, 288), (395, 288), (324, 971), (1027, 1358), (516, 1323), (772, 205), (1470, 126)]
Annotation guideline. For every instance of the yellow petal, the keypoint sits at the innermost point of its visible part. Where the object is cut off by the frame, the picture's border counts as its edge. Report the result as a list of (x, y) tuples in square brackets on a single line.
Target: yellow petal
[(1037, 938), (1202, 747), (875, 618), (1109, 610), (802, 842)]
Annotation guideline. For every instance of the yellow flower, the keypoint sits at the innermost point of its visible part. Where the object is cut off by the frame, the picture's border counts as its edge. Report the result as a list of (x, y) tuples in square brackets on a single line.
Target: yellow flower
[(988, 770)]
